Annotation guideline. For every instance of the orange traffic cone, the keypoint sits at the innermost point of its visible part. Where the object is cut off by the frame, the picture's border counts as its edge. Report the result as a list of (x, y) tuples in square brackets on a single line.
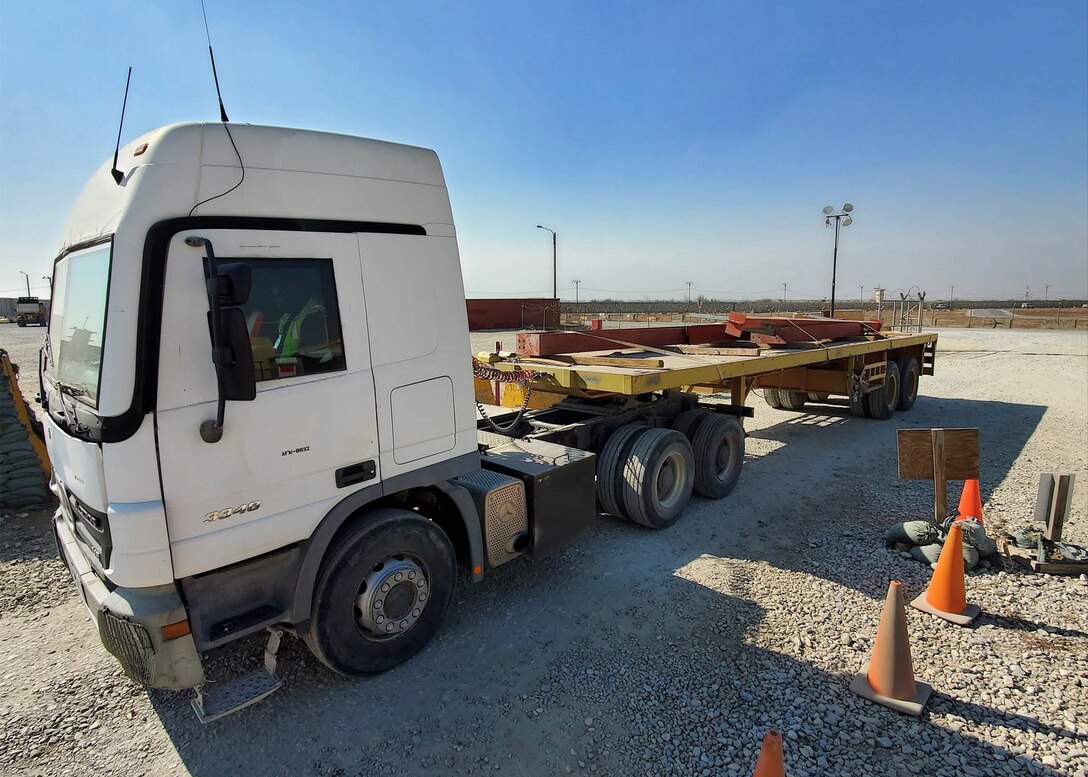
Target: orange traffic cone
[(888, 678), (770, 756), (970, 501), (946, 596)]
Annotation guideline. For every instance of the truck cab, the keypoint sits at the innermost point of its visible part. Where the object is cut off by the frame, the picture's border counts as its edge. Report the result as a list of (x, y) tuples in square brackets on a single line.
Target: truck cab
[(29, 310), (256, 378)]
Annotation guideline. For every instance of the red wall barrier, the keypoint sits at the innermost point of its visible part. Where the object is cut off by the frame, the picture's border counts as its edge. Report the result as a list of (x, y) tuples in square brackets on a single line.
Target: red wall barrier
[(513, 313)]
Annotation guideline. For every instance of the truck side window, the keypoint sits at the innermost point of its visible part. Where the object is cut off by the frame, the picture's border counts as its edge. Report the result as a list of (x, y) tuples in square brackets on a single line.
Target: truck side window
[(293, 318)]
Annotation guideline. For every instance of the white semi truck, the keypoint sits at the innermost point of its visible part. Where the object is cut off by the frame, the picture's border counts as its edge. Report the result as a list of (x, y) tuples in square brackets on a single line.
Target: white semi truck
[(260, 410)]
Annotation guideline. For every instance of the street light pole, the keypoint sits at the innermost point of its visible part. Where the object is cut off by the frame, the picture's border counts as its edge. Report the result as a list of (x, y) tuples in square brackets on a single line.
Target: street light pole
[(846, 220), (689, 291), (576, 291), (27, 283), (555, 277), (50, 279)]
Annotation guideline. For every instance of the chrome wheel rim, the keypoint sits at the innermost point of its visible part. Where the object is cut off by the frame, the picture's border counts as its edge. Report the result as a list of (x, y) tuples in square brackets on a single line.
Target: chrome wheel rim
[(392, 598)]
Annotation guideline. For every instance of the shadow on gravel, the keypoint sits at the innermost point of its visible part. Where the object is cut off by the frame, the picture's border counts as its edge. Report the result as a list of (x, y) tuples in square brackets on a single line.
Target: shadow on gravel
[(1004, 429), (860, 455), (654, 676), (1016, 623)]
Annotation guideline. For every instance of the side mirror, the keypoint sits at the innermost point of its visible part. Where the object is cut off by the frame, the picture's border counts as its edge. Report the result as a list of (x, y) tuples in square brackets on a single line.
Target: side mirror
[(239, 383), (231, 283), (232, 356), (228, 286)]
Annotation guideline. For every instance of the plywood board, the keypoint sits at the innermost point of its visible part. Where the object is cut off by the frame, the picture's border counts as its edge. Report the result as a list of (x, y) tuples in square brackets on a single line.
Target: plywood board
[(916, 454)]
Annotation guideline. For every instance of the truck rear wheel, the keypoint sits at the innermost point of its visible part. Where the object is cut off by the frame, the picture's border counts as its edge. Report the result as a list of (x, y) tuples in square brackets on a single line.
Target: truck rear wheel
[(658, 476), (382, 594), (688, 422), (882, 401), (610, 468), (20, 322), (908, 382), (818, 396), (719, 456)]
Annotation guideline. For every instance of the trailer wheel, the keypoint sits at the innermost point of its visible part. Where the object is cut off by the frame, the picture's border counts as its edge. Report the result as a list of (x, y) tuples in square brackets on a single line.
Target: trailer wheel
[(20, 322), (859, 403), (772, 398), (658, 476), (610, 468), (881, 401), (688, 422), (719, 456), (792, 400), (908, 382), (818, 396), (382, 593)]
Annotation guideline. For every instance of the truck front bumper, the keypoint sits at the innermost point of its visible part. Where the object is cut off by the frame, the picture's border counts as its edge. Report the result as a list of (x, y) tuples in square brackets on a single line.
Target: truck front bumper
[(130, 621)]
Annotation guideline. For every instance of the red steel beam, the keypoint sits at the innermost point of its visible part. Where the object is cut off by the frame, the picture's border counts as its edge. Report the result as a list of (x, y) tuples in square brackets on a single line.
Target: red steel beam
[(770, 330)]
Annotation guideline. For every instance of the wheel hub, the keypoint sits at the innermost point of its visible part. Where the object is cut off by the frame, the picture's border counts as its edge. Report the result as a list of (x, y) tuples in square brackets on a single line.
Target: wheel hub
[(670, 480), (392, 598)]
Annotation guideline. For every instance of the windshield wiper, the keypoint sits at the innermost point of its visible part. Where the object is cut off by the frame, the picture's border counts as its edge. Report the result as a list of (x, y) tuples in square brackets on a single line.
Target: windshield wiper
[(70, 389), (71, 419)]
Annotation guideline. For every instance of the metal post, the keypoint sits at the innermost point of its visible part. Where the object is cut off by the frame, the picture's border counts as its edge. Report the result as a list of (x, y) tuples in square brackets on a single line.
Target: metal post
[(555, 276), (27, 282), (834, 265), (575, 291), (783, 295)]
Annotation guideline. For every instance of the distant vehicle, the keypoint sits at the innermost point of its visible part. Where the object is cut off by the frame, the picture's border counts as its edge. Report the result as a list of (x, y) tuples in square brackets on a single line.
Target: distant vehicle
[(1025, 305), (940, 306), (29, 310)]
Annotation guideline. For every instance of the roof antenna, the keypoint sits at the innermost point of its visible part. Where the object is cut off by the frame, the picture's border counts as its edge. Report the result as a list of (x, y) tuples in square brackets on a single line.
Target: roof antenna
[(118, 176), (222, 111)]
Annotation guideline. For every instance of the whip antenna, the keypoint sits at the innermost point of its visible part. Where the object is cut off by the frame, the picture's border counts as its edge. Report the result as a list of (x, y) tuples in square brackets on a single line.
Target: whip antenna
[(222, 111), (118, 176)]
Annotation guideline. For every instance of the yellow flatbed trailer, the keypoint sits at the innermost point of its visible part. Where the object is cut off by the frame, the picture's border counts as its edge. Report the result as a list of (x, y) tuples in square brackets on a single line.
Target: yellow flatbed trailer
[(640, 410), (850, 369)]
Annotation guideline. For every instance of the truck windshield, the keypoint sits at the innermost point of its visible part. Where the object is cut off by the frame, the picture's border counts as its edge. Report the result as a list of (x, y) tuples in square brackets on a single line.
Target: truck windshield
[(77, 320)]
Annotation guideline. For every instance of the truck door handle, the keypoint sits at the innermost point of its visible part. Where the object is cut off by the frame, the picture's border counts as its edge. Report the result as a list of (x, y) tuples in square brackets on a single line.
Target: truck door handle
[(356, 473)]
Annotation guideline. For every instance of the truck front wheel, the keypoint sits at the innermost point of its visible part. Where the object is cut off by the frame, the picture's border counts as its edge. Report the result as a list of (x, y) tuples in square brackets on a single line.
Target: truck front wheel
[(382, 593)]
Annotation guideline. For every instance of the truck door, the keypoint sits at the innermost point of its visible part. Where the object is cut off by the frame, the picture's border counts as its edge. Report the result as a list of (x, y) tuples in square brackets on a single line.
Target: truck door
[(308, 439)]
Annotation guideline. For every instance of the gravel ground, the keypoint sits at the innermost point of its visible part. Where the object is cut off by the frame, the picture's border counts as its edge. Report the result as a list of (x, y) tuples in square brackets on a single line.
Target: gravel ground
[(639, 652)]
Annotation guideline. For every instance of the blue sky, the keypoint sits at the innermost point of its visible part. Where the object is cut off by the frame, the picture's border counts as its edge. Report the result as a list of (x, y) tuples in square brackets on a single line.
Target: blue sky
[(665, 142)]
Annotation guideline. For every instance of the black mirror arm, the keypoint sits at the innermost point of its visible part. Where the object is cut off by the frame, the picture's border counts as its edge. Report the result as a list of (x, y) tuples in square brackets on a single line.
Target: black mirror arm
[(212, 431)]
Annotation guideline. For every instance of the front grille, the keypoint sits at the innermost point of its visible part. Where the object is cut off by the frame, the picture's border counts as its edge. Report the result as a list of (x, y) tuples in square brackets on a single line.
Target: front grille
[(131, 644), (92, 527)]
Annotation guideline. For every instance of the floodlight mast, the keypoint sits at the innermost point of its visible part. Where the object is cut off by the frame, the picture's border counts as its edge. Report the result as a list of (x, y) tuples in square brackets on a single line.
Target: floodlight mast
[(846, 220)]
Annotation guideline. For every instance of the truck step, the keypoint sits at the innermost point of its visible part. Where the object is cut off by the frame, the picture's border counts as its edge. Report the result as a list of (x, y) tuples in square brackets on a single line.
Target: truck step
[(224, 698)]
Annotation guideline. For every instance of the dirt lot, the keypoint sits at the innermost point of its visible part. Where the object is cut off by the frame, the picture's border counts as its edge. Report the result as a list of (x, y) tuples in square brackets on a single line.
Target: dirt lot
[(637, 652)]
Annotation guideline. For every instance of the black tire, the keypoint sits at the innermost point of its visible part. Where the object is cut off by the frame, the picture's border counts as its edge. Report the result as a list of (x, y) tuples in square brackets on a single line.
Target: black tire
[(719, 456), (771, 397), (610, 468), (881, 401), (688, 422), (388, 537), (818, 396), (660, 460), (792, 400), (859, 405), (21, 323), (909, 376)]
